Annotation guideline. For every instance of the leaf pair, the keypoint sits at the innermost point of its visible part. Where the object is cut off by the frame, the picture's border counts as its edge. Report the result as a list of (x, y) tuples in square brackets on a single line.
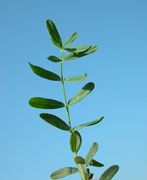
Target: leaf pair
[(109, 173), (44, 103), (63, 172), (54, 77), (79, 51), (82, 164), (55, 36)]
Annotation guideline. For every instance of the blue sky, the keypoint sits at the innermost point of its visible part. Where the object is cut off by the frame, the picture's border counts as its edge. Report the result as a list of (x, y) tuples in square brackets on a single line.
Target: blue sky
[(30, 148)]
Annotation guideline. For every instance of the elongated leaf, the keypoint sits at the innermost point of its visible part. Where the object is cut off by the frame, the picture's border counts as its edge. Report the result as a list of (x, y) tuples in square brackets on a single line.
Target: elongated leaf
[(63, 172), (55, 121), (77, 128), (75, 78), (54, 59), (109, 173), (71, 39), (91, 153), (82, 94), (43, 103), (55, 37), (96, 163), (77, 49), (79, 54), (44, 73), (70, 56), (82, 167), (75, 141)]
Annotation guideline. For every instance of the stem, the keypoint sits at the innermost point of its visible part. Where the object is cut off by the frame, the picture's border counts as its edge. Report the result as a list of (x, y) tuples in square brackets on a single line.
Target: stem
[(67, 106), (64, 91)]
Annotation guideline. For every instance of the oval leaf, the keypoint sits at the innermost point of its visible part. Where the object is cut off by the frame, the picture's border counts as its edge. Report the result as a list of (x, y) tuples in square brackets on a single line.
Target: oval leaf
[(79, 160), (75, 141), (44, 73), (79, 54), (55, 37), (96, 163), (88, 124), (109, 173), (55, 121), (63, 172), (82, 94), (76, 78), (91, 153), (43, 103), (71, 39), (54, 59)]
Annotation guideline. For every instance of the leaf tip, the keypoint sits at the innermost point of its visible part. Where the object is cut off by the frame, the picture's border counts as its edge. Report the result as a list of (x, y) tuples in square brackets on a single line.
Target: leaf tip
[(30, 102)]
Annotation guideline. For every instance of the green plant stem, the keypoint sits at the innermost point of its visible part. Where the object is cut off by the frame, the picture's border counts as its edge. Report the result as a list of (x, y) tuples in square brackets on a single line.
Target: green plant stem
[(66, 104), (64, 91)]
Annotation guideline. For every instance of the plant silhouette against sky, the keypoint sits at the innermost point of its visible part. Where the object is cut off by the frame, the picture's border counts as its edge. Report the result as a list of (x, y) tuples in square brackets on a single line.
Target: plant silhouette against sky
[(68, 53)]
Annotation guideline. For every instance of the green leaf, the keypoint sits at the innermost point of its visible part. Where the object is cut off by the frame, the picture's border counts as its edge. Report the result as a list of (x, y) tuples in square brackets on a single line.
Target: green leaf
[(82, 167), (63, 172), (109, 173), (71, 39), (79, 54), (79, 160), (77, 49), (43, 103), (91, 153), (55, 121), (55, 37), (77, 128), (96, 163), (44, 73), (90, 175), (82, 94), (75, 141), (54, 59), (75, 78)]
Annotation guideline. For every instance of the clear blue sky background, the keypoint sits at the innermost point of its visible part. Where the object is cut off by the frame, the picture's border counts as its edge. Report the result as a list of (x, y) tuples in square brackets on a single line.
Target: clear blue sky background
[(30, 149)]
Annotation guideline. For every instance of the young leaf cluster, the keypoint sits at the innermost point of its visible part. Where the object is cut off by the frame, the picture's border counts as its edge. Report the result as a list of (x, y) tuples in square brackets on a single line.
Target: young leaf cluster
[(67, 53)]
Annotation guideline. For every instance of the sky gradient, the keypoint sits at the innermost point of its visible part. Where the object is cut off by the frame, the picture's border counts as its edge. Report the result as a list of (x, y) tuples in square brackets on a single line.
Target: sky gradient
[(30, 148)]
